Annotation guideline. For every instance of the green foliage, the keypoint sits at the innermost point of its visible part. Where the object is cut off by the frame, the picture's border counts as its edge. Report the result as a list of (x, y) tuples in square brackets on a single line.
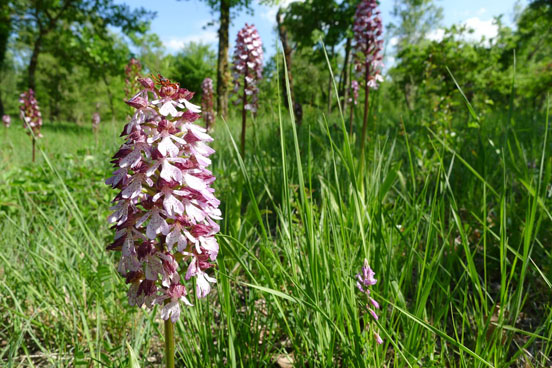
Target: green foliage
[(194, 63)]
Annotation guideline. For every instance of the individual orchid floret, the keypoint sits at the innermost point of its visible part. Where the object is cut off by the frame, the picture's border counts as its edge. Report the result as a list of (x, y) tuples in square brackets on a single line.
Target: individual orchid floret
[(365, 279), (6, 119), (247, 71), (132, 73), (208, 114), (165, 211)]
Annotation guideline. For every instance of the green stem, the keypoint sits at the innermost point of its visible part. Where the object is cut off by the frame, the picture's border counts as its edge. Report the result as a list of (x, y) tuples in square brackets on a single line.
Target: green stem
[(169, 343)]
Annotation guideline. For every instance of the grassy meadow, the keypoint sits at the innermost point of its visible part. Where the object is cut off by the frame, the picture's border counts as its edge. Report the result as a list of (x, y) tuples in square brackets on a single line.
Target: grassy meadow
[(455, 222)]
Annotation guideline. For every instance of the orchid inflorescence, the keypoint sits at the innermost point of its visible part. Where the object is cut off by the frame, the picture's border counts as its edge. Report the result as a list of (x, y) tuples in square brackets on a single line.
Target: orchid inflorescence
[(207, 103), (132, 73), (354, 89), (6, 119), (365, 279), (30, 113), (368, 30), (165, 210), (95, 121), (248, 66)]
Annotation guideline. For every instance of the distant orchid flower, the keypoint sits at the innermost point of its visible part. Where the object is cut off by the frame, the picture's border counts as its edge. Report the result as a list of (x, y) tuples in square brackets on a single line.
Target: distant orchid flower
[(365, 279), (248, 69), (354, 89), (6, 119), (207, 103), (368, 31), (132, 74), (31, 116), (96, 121)]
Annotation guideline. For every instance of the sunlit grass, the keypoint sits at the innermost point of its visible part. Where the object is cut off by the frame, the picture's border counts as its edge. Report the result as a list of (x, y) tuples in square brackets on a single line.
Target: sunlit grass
[(456, 229)]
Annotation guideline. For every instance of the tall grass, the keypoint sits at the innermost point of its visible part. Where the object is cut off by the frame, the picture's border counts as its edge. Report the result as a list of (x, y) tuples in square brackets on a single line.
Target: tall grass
[(457, 230)]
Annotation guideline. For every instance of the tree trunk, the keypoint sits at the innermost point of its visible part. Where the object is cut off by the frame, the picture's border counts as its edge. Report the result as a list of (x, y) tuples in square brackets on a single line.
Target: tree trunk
[(34, 62), (282, 32), (222, 62), (5, 30), (345, 87)]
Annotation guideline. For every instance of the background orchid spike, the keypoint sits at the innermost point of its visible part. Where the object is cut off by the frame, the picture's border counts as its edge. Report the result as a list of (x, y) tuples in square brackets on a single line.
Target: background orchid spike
[(248, 70), (366, 279), (30, 113), (207, 103), (368, 30), (6, 119), (248, 66), (354, 90), (133, 71), (95, 121), (164, 214)]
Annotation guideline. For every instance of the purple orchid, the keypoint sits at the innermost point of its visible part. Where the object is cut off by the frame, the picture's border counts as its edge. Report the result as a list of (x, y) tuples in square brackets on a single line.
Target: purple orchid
[(164, 214)]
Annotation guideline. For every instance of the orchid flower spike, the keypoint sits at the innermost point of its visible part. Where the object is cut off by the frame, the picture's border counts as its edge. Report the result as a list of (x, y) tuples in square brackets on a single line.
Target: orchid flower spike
[(165, 211)]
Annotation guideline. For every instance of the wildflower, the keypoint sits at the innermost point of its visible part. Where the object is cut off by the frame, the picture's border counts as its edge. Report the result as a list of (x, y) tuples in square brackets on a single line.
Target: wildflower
[(164, 214), (365, 279), (6, 119), (354, 89), (30, 113), (368, 47), (248, 69), (96, 121), (368, 30), (207, 102)]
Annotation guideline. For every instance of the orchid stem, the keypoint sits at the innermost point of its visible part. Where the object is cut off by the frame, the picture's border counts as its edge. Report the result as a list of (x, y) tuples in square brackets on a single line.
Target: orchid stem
[(169, 343)]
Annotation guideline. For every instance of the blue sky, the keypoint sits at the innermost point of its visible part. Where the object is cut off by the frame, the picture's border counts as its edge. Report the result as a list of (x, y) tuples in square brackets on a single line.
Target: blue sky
[(179, 22)]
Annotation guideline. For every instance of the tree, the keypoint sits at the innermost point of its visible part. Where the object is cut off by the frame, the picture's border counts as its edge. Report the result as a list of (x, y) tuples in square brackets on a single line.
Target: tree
[(36, 19), (416, 19), (193, 64), (312, 20), (5, 31), (223, 7)]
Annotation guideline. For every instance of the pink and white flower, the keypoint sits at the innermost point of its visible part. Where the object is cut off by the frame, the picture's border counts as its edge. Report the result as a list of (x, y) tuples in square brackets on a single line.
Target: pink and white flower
[(6, 119), (368, 30), (30, 113), (208, 114), (248, 66), (165, 199), (366, 279)]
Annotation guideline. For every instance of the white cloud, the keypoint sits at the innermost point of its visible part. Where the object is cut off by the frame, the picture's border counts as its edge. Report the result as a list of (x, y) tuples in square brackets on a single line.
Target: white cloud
[(177, 43), (479, 29), (270, 13), (393, 41), (436, 34), (481, 11)]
